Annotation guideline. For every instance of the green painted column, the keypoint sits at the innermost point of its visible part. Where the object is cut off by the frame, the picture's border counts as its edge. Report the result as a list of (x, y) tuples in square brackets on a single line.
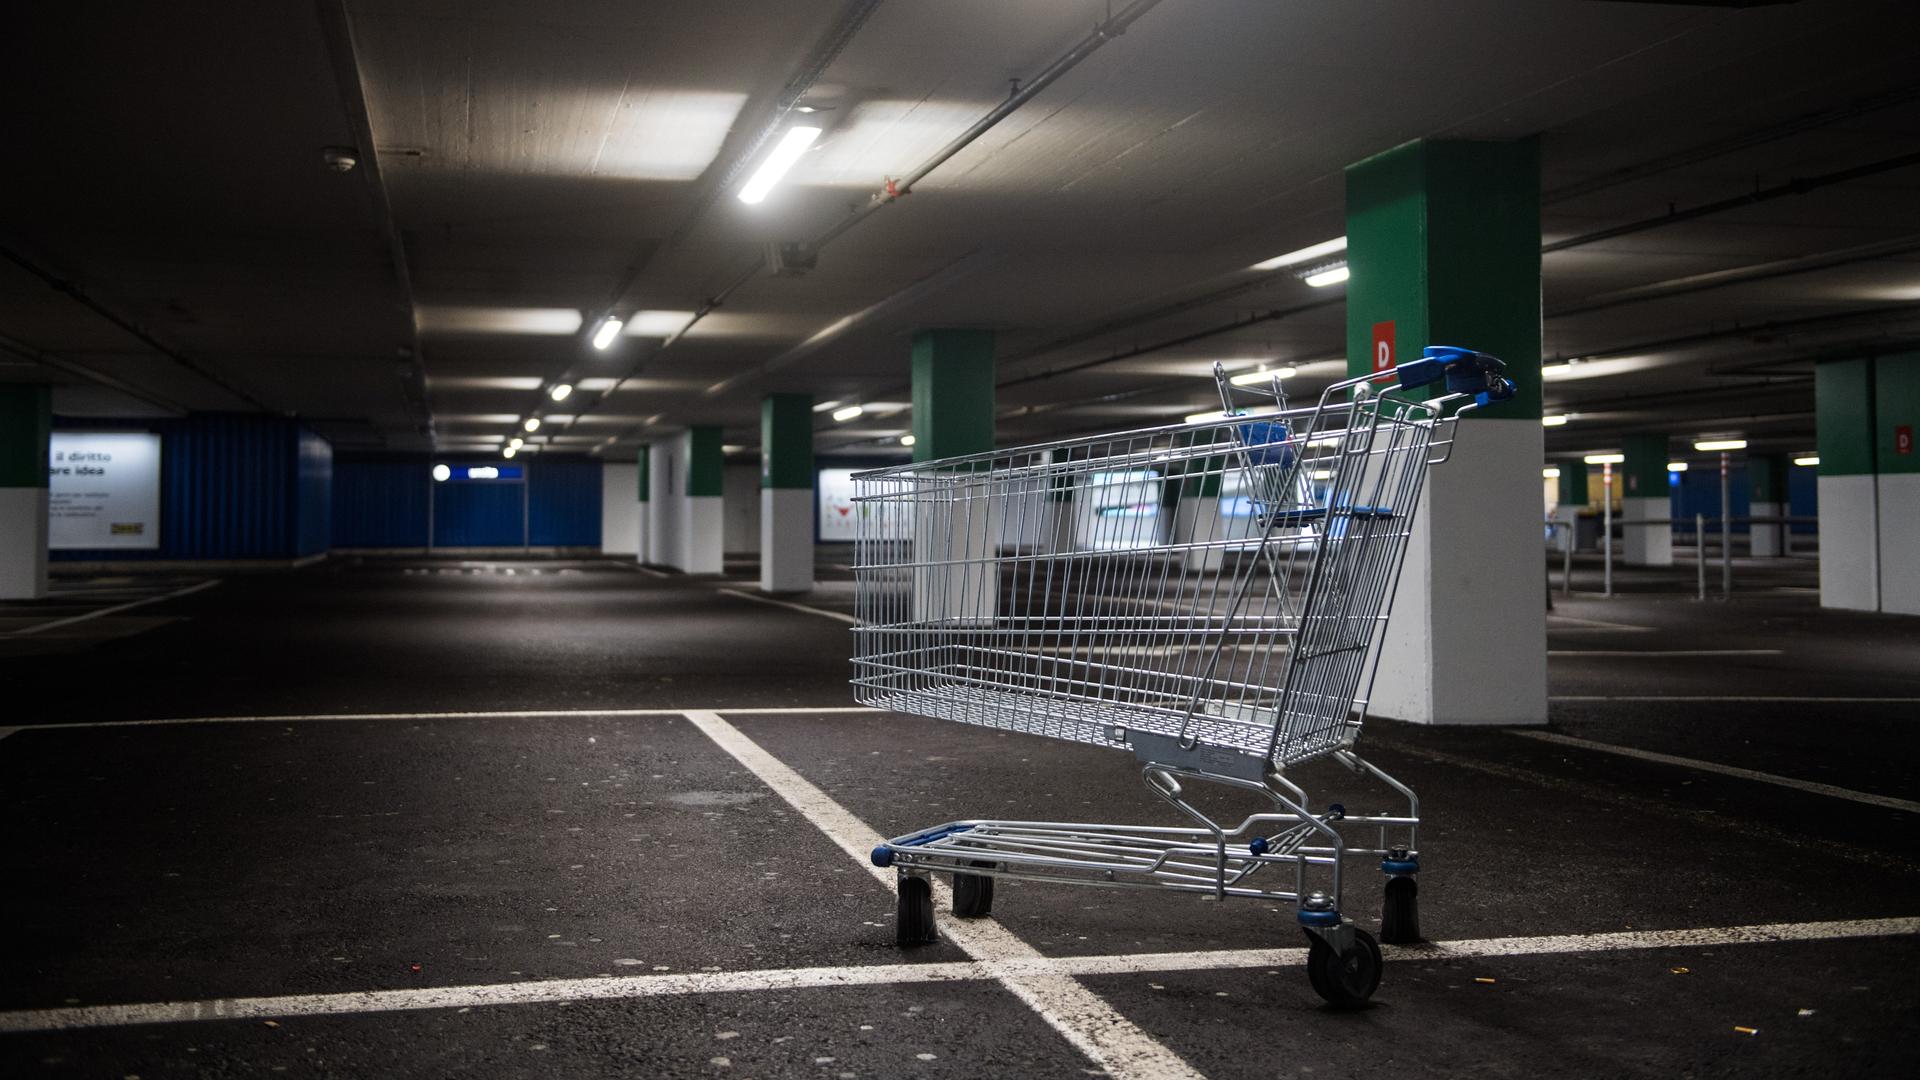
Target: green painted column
[(1644, 496), (1573, 485), (644, 549), (691, 531), (1443, 248), (952, 393), (1843, 400), (786, 493), (26, 424), (1766, 497), (1896, 455)]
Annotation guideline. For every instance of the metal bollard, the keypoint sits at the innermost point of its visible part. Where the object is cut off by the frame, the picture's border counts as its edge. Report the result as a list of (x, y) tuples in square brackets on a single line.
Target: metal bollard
[(1606, 529), (1700, 552), (1726, 529), (1566, 561)]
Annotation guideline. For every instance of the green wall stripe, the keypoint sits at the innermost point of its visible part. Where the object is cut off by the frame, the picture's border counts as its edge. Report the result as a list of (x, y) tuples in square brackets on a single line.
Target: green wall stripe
[(786, 441), (705, 462), (1644, 474), (1443, 240), (1896, 404), (1573, 484), (26, 421), (1843, 415), (646, 474), (952, 393)]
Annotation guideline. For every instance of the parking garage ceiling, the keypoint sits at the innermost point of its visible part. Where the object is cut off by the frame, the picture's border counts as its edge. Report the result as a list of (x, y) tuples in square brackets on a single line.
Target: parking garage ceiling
[(1732, 193)]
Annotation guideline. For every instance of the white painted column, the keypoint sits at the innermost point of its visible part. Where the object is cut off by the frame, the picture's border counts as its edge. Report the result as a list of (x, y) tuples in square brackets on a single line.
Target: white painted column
[(619, 511), (1849, 542), (786, 540), (1646, 545), (1764, 537), (1467, 641), (1899, 541), (23, 542)]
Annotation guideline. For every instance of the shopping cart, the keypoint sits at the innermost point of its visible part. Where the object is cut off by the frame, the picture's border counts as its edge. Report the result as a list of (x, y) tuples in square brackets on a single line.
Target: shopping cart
[(1210, 595)]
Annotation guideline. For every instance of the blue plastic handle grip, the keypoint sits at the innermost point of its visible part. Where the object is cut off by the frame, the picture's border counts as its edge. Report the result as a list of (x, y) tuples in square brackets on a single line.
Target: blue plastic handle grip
[(1466, 372)]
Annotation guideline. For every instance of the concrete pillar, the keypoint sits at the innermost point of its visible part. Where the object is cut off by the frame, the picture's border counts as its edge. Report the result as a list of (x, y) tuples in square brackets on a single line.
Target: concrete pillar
[(26, 422), (786, 493), (1645, 497), (643, 547), (1896, 411), (953, 416), (688, 519), (1443, 243), (1573, 498), (1849, 516), (619, 514), (1767, 497)]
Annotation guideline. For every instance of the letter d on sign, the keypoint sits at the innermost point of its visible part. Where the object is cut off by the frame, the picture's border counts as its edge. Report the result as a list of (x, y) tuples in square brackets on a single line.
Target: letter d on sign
[(1383, 345)]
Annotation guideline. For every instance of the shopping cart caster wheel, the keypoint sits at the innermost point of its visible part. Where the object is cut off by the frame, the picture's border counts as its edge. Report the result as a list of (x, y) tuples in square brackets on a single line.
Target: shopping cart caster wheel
[(1345, 981), (913, 915), (1400, 914), (973, 895)]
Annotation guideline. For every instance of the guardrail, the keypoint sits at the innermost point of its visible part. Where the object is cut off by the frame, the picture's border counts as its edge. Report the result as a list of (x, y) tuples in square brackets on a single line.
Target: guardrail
[(1699, 523)]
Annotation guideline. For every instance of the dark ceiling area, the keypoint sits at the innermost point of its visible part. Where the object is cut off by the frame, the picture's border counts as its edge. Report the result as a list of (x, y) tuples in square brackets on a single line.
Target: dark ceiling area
[(1731, 194)]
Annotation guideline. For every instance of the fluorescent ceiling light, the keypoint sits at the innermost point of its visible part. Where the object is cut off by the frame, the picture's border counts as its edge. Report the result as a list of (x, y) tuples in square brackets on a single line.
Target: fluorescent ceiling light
[(731, 448), (1305, 254), (532, 424), (516, 442), (1809, 461), (560, 391), (1676, 466), (1605, 459), (908, 440), (826, 406), (849, 412), (441, 472), (1550, 473), (609, 329), (435, 319), (1324, 278), (485, 472), (791, 146), (507, 453), (1257, 378), (657, 323), (1216, 414), (1556, 420), (1720, 444)]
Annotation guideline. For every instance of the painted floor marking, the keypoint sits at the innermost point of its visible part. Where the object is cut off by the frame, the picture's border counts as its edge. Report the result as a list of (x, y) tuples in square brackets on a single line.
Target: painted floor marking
[(618, 987), (507, 714), (128, 606), (1592, 624), (1662, 653), (1814, 787), (843, 617), (1082, 1017), (1744, 698)]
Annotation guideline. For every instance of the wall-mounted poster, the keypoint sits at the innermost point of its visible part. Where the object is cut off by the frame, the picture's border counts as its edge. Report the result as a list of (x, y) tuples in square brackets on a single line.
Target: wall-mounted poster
[(839, 515), (103, 490)]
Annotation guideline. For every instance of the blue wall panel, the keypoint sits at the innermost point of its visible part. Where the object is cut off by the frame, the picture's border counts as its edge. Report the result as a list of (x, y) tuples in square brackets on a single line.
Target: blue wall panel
[(232, 486), (478, 513), (380, 503), (1699, 493), (1803, 498), (563, 505)]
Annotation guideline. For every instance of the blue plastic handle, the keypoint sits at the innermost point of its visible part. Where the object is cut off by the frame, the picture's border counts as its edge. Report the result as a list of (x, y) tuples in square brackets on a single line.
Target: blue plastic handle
[(1266, 442), (1466, 372)]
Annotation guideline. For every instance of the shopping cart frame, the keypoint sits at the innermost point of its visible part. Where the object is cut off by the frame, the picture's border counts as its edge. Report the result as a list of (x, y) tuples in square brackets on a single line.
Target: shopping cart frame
[(1287, 852)]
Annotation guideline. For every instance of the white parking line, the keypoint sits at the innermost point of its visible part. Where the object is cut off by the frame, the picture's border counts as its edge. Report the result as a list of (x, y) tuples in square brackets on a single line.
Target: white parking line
[(843, 617), (1742, 698), (1664, 653), (1724, 770), (128, 606), (1593, 624), (616, 987), (504, 714), (1109, 1039)]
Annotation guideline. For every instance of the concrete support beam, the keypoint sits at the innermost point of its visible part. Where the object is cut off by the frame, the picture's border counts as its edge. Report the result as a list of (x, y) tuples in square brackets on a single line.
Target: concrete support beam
[(1645, 497)]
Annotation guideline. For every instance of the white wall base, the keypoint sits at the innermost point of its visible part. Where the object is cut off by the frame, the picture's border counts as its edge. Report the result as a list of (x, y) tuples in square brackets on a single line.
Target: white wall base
[(1763, 540), (1899, 543), (786, 540), (1849, 543), (619, 510), (643, 534), (23, 543), (1646, 545), (1467, 641)]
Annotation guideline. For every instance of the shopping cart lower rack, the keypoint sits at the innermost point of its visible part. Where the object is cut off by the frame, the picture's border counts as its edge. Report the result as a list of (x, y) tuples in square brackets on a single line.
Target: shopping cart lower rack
[(1209, 595)]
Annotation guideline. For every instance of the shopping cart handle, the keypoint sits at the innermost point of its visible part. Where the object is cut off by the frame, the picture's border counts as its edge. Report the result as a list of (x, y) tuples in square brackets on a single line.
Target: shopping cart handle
[(1466, 372)]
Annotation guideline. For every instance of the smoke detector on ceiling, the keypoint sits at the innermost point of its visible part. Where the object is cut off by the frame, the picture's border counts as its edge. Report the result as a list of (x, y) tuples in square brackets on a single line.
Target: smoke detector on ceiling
[(340, 158)]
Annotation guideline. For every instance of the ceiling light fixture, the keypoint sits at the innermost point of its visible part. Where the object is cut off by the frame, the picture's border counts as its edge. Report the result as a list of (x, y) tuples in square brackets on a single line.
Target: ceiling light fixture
[(1711, 445), (1256, 378), (1550, 473), (516, 442), (560, 391), (1216, 414), (842, 415), (609, 329), (1555, 420), (1333, 275), (509, 451), (532, 424), (1305, 254), (908, 440), (441, 472), (791, 146), (1810, 461), (827, 406), (1676, 466), (1605, 459)]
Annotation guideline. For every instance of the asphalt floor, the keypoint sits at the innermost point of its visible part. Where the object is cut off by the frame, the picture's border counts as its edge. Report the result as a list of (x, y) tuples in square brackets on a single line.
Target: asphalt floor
[(545, 818)]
